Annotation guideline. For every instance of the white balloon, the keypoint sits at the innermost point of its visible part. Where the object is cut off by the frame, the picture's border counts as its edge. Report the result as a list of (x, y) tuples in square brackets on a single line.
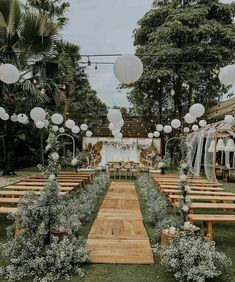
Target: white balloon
[(197, 110), (128, 68), (83, 127), (175, 123), (46, 122), (202, 123), (89, 133), (113, 127), (115, 132), (228, 118), (227, 74), (167, 129), (119, 124), (5, 116), (38, 114), (186, 130), (2, 111), (114, 116), (14, 118), (150, 135), (76, 129), (159, 127), (40, 124), (189, 118), (70, 123), (22, 118), (195, 127), (119, 135), (55, 128), (156, 134), (57, 118), (61, 130), (9, 73)]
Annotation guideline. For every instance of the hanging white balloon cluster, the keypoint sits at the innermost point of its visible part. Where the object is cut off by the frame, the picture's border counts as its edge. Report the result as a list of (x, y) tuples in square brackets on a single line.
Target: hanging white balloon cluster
[(3, 114), (116, 122), (9, 73), (229, 118)]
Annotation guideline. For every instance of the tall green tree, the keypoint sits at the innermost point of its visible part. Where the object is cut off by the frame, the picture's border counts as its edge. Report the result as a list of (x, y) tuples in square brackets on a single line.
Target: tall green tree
[(182, 45)]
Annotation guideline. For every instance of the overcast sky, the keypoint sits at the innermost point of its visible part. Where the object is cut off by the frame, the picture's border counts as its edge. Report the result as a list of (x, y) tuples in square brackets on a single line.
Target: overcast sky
[(104, 27)]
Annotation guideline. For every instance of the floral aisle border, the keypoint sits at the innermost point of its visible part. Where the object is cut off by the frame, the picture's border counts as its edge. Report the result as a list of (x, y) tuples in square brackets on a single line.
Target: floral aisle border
[(37, 252)]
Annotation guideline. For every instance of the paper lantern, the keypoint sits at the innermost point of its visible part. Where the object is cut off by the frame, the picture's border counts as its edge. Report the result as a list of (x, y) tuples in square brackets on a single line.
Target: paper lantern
[(89, 133), (5, 116), (220, 145), (128, 68), (2, 111), (61, 130), (70, 123), (167, 129), (186, 130), (22, 118), (189, 118), (228, 118), (230, 146), (227, 74), (156, 134), (195, 127), (175, 123), (54, 128), (84, 127), (76, 129), (197, 110), (150, 135), (9, 74), (159, 127), (14, 118), (202, 123), (38, 114), (211, 148), (114, 116), (57, 118), (40, 124)]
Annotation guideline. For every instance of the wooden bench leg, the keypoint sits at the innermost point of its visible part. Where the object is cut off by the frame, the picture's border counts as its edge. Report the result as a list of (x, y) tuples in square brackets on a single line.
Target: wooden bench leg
[(210, 231)]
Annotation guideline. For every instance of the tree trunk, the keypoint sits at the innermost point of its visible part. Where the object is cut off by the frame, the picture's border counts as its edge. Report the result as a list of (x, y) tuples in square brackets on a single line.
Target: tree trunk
[(9, 144)]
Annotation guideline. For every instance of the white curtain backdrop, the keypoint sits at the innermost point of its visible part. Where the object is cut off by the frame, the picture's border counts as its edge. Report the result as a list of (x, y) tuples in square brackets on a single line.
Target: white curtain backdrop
[(209, 156), (112, 152)]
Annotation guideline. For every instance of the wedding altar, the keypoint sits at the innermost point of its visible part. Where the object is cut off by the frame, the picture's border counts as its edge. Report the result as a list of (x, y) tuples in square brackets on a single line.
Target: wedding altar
[(138, 150)]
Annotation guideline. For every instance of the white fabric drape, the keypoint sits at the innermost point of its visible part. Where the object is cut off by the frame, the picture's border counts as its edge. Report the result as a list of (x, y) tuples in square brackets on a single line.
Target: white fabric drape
[(198, 159), (209, 156)]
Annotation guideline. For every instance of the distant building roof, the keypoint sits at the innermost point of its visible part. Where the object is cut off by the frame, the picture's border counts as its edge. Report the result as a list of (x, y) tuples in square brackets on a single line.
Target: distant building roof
[(133, 127), (221, 109)]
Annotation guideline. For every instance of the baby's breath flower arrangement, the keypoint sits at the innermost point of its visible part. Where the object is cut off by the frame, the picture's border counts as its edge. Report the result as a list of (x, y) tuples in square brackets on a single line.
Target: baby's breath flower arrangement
[(35, 253)]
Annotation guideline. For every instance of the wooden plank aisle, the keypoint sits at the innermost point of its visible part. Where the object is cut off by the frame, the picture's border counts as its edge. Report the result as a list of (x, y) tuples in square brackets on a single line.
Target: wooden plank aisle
[(118, 234)]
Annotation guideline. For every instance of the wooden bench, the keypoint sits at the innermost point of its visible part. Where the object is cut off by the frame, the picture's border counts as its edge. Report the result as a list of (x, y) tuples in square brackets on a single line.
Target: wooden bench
[(200, 188), (10, 201), (14, 193), (222, 206), (7, 210), (206, 184), (195, 192), (81, 182), (213, 199), (34, 188), (209, 219), (43, 183)]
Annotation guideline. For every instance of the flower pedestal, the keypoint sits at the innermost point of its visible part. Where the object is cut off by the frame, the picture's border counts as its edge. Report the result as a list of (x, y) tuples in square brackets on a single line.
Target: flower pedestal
[(167, 236)]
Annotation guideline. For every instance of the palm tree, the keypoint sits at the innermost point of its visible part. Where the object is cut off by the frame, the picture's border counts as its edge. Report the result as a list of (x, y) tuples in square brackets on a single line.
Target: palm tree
[(26, 40)]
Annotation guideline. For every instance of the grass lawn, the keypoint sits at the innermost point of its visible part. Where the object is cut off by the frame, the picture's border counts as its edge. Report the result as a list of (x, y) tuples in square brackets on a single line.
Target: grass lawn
[(224, 235)]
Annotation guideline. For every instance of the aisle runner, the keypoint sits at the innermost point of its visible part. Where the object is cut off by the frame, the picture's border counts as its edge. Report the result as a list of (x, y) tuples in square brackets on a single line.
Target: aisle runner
[(118, 234)]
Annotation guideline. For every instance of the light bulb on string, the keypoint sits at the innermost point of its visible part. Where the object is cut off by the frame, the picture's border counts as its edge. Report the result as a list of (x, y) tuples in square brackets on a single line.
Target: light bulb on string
[(88, 63), (96, 67)]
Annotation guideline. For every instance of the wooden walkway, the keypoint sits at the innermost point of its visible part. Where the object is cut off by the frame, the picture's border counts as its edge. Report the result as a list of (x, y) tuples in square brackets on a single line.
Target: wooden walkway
[(118, 234)]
